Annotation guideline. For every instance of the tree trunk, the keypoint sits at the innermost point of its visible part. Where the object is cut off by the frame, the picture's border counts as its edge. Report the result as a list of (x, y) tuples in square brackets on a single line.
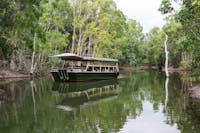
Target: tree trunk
[(90, 46), (13, 39), (74, 31), (12, 61), (79, 48), (33, 56), (166, 56), (166, 72)]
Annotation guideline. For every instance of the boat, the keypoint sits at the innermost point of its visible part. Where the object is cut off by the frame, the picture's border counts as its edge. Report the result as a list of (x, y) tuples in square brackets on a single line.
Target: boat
[(82, 68)]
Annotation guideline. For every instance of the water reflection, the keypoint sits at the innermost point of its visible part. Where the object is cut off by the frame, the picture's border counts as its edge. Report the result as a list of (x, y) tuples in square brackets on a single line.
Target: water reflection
[(138, 103), (80, 95)]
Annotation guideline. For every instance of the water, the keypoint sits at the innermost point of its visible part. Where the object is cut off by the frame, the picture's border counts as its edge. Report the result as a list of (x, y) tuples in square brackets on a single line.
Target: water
[(137, 103)]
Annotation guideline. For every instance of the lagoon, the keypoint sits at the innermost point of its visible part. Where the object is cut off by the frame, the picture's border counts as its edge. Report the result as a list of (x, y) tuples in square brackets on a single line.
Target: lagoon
[(136, 102)]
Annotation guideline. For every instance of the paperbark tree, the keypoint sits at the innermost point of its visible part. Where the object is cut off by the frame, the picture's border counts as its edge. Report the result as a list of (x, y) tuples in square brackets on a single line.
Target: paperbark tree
[(33, 62), (166, 56)]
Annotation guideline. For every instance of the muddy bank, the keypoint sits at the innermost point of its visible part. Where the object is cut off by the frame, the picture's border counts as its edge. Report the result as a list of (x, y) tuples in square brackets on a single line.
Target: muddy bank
[(11, 74), (194, 93), (146, 67), (125, 68), (179, 69)]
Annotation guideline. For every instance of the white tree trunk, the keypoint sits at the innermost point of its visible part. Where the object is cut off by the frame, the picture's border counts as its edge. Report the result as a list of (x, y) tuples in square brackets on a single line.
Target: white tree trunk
[(166, 93), (12, 61), (74, 29), (166, 72), (33, 55), (166, 56), (79, 48)]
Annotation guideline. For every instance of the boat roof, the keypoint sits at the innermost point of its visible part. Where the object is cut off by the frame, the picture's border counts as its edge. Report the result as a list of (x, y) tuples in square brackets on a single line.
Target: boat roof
[(74, 57), (68, 56)]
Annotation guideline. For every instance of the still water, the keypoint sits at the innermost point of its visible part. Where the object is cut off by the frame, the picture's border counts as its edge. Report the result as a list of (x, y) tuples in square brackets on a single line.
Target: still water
[(140, 102)]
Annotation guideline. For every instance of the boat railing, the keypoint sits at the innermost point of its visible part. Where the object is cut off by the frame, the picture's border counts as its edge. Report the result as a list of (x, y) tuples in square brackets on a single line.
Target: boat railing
[(75, 68), (88, 68), (100, 68)]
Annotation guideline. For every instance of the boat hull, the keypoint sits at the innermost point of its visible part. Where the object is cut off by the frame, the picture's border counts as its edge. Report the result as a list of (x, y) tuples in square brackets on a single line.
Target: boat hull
[(64, 76)]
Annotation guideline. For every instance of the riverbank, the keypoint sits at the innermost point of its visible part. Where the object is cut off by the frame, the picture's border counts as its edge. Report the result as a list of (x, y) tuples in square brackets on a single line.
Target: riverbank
[(127, 68), (12, 74), (146, 67), (194, 93), (179, 69)]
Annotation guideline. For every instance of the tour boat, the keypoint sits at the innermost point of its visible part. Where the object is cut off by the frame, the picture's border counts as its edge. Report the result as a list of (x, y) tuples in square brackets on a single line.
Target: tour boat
[(82, 68)]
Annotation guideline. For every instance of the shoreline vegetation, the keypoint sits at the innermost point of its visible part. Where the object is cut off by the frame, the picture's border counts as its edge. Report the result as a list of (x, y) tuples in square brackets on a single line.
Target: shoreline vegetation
[(7, 76), (35, 30), (6, 73), (146, 67)]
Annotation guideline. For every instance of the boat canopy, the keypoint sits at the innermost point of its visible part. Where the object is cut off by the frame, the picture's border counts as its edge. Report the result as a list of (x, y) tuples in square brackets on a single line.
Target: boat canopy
[(74, 57), (68, 56)]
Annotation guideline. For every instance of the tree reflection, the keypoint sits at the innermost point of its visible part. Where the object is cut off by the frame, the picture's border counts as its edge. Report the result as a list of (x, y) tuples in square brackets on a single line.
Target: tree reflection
[(33, 88), (97, 107), (166, 93)]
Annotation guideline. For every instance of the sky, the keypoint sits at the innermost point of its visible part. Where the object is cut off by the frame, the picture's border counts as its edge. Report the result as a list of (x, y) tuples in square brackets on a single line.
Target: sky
[(144, 11)]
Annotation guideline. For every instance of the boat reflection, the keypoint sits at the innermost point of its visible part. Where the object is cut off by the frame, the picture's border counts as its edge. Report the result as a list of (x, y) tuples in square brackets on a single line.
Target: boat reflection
[(82, 94)]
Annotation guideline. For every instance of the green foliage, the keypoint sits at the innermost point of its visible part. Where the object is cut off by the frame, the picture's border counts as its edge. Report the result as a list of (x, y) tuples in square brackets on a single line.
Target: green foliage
[(30, 31), (133, 48), (176, 43), (165, 7), (49, 21), (155, 47), (188, 34)]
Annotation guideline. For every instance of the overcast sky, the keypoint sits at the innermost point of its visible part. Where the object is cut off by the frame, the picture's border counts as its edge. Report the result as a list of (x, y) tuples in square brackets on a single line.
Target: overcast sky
[(144, 11)]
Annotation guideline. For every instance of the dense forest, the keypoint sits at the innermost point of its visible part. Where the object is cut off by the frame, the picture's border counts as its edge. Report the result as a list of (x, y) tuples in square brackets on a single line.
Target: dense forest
[(32, 30)]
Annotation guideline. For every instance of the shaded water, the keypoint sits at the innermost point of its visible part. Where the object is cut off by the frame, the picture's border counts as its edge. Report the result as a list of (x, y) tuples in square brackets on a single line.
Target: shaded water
[(137, 103)]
